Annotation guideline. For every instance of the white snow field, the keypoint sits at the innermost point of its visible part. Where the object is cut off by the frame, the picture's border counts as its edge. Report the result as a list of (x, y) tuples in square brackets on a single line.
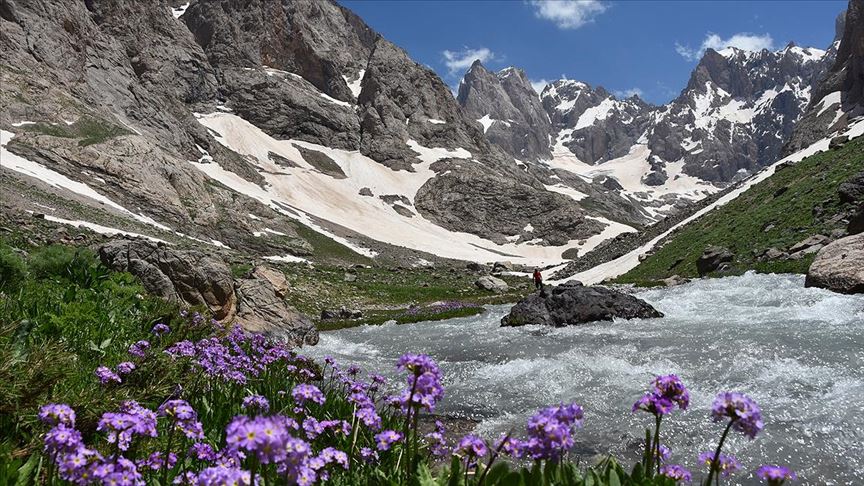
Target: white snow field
[(306, 194), (625, 263)]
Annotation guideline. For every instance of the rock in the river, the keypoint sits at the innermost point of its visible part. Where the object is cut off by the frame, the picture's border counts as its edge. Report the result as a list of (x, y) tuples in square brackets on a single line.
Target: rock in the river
[(839, 266), (572, 304), (712, 259), (494, 284), (184, 276), (261, 309)]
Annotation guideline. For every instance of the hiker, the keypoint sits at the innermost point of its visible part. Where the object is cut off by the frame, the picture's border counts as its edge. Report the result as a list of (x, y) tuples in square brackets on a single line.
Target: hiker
[(538, 279)]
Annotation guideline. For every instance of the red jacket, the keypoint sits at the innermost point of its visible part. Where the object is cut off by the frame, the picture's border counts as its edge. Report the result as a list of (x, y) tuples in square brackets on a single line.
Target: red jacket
[(537, 276)]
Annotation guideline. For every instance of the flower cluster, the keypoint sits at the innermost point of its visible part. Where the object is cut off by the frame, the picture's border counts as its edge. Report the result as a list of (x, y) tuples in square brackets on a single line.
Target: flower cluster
[(726, 464), (668, 391), (424, 383), (183, 417), (131, 420), (741, 410), (776, 475), (550, 433), (676, 472)]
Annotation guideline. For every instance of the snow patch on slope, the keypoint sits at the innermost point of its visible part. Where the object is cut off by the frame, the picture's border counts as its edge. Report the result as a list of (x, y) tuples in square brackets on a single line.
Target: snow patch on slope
[(305, 194)]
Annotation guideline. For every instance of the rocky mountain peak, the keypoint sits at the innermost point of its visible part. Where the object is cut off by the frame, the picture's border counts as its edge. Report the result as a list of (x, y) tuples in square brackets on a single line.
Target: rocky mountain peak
[(508, 109)]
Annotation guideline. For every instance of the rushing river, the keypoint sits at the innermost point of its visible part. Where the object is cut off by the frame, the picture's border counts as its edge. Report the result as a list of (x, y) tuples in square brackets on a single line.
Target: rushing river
[(798, 352)]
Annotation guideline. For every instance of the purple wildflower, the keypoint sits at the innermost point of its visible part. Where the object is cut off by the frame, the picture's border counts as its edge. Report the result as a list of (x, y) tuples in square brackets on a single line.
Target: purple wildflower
[(56, 414), (183, 416), (139, 349), (776, 475), (663, 454), (106, 376), (303, 393), (727, 464), (437, 442), (202, 452), (676, 472), (62, 438), (741, 410), (160, 329), (550, 431), (125, 367), (256, 403), (181, 348), (368, 455), (472, 446), (667, 392), (386, 439), (132, 420), (220, 475)]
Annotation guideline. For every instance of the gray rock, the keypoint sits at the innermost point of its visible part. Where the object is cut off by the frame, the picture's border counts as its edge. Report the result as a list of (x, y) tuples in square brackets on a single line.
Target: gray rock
[(476, 267), (255, 302), (815, 240), (856, 222), (502, 266), (571, 305), (773, 254), (365, 191), (839, 266), (261, 309), (852, 191), (675, 280), (492, 284), (519, 125), (350, 277), (712, 258), (341, 313), (186, 277), (838, 142)]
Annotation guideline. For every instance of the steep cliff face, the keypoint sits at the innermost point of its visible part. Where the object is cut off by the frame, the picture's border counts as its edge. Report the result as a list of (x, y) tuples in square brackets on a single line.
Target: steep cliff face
[(207, 112), (838, 94), (507, 107)]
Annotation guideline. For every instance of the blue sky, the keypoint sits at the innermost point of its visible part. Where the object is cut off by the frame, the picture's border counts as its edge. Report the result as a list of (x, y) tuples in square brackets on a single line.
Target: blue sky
[(645, 47)]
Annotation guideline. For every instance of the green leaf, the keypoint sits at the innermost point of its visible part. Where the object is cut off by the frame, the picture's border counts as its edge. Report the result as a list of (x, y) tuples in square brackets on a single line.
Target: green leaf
[(613, 478), (512, 479), (105, 344), (496, 473), (455, 471), (25, 472)]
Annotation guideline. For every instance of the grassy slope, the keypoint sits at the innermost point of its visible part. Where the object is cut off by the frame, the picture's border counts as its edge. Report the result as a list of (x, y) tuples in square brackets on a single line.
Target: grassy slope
[(740, 225)]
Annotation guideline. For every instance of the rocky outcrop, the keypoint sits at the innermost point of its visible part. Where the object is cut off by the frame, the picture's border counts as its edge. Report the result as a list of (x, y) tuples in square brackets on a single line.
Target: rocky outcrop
[(261, 308), (839, 266), (838, 93), (186, 277), (571, 304), (191, 278), (713, 259), (509, 110), (491, 284)]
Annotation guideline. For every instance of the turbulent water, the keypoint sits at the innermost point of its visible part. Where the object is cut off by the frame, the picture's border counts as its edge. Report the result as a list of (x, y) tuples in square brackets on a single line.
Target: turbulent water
[(798, 352)]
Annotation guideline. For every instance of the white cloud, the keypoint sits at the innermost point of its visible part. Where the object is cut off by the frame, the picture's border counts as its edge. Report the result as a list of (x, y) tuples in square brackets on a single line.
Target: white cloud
[(457, 61), (741, 40), (568, 14), (539, 84), (626, 93)]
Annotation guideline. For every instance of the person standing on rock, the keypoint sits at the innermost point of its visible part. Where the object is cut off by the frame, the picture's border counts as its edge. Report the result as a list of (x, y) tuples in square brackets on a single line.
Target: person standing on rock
[(538, 279)]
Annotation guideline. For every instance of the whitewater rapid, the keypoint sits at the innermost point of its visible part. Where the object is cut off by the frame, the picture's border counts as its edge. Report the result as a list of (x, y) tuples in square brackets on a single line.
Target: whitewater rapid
[(798, 352)]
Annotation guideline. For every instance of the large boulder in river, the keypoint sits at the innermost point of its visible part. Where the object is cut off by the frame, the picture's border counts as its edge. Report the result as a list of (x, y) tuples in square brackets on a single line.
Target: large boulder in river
[(712, 259), (571, 304), (492, 284), (839, 266)]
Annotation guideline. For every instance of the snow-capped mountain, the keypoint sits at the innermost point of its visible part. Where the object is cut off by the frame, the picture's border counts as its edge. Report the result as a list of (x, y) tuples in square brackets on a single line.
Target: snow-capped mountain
[(738, 110), (234, 125)]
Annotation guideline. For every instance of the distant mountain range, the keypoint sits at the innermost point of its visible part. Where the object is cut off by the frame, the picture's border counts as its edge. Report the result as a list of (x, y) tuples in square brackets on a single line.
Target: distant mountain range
[(244, 126)]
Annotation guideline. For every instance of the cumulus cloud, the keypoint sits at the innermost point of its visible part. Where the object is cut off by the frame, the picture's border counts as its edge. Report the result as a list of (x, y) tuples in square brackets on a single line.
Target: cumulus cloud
[(741, 40), (539, 84), (626, 93), (457, 61), (568, 14)]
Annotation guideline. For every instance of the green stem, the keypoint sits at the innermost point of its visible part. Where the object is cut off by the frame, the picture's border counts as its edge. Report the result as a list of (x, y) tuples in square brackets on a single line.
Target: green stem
[(655, 450), (493, 457), (165, 454), (715, 463), (407, 426)]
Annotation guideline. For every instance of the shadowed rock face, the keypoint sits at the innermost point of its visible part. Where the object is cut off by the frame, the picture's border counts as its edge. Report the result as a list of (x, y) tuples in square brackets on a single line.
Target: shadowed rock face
[(572, 304), (845, 75), (297, 69), (191, 278), (507, 103)]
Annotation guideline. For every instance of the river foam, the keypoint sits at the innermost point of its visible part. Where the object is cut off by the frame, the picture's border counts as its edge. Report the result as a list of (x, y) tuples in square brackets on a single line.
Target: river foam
[(798, 352)]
